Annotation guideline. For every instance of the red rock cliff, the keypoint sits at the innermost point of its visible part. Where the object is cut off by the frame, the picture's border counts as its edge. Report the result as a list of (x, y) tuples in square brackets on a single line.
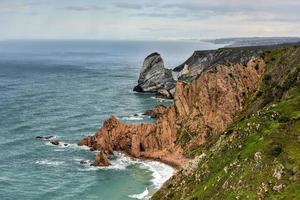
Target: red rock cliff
[(200, 108)]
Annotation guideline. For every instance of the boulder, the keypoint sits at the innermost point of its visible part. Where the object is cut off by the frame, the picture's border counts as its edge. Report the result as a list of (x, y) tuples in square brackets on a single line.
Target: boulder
[(101, 160), (54, 142), (82, 162), (154, 76)]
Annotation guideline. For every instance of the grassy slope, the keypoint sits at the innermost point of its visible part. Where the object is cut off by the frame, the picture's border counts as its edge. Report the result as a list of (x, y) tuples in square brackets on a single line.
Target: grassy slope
[(258, 156)]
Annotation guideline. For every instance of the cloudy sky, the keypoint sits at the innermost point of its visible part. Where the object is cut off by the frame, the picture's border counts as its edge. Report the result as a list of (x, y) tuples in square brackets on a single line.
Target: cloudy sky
[(147, 19)]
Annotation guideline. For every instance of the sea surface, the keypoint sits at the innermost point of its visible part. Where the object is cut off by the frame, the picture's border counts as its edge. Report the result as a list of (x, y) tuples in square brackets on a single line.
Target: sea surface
[(67, 89)]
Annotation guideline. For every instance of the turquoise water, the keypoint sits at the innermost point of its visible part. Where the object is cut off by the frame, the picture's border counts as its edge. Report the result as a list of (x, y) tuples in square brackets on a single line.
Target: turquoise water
[(67, 89)]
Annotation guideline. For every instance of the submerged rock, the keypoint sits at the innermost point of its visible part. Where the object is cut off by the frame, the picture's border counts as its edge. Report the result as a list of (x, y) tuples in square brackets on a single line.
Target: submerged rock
[(101, 160), (154, 76), (44, 137)]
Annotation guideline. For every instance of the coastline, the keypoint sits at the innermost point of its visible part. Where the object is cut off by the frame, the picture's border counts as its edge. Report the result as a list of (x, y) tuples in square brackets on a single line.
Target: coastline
[(160, 171)]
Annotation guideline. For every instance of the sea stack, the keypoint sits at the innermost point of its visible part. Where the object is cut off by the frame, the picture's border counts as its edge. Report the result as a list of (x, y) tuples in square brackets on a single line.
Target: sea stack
[(154, 77)]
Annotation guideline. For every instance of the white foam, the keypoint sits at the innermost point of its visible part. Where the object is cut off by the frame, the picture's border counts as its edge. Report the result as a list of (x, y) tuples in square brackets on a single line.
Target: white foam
[(49, 162), (162, 99), (63, 145), (142, 195), (132, 118), (160, 172)]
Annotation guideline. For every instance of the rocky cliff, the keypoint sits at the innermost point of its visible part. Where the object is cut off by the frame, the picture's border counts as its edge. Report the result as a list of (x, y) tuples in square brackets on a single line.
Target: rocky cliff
[(202, 61), (201, 109), (257, 156)]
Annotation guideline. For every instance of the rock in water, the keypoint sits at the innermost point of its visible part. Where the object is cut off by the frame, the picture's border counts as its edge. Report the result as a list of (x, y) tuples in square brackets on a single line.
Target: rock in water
[(82, 162), (54, 142), (101, 160), (154, 76)]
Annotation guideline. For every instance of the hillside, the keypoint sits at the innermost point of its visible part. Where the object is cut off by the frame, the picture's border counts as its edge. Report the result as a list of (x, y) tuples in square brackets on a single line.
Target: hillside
[(258, 155)]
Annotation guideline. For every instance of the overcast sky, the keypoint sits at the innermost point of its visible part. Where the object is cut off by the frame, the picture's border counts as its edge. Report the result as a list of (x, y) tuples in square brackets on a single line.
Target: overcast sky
[(147, 19)]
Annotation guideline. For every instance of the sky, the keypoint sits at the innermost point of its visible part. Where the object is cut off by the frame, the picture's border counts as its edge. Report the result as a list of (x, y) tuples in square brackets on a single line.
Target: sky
[(147, 19)]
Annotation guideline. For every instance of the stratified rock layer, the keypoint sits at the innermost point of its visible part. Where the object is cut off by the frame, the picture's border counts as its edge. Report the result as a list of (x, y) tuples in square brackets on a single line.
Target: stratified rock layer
[(202, 61), (154, 76), (201, 108)]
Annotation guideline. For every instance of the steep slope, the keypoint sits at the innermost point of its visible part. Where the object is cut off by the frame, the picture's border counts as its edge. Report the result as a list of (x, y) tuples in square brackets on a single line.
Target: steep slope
[(258, 155), (201, 109)]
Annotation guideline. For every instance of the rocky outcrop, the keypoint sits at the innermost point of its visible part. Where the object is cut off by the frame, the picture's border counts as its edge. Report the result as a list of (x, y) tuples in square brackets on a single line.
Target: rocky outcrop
[(101, 160), (156, 111), (154, 76), (202, 61), (201, 109)]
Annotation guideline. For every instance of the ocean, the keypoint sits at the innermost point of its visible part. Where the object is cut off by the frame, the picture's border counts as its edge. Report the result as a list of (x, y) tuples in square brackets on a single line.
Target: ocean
[(67, 89)]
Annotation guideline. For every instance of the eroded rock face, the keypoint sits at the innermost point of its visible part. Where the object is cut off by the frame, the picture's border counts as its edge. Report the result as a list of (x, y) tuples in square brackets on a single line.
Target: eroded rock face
[(154, 76), (201, 108)]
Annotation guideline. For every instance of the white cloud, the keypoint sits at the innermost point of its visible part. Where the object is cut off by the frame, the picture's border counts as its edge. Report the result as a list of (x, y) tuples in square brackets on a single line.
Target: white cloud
[(147, 19)]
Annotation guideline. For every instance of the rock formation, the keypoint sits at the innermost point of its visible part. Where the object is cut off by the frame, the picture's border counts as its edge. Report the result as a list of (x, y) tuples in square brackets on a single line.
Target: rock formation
[(202, 61), (256, 157), (155, 77), (101, 160), (156, 111), (201, 109)]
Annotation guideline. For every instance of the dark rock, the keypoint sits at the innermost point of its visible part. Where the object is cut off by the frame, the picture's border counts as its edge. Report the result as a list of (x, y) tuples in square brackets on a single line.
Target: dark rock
[(138, 88), (54, 142), (154, 75), (101, 160), (65, 145), (92, 149), (44, 137), (82, 162)]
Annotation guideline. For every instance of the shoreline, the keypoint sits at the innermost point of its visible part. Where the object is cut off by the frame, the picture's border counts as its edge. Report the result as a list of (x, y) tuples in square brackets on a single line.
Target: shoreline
[(143, 158)]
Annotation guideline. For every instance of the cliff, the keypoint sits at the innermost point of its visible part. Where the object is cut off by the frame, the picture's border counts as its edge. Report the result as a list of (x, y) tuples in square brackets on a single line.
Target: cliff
[(200, 110), (232, 130), (257, 156), (202, 61)]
